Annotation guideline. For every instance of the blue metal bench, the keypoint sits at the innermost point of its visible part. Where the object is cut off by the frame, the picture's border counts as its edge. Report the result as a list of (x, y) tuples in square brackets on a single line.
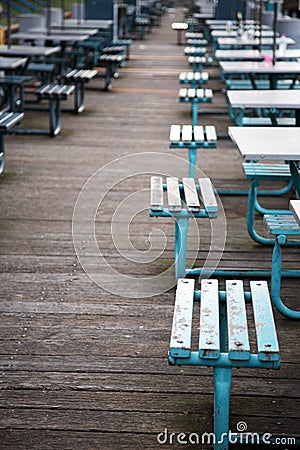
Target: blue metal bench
[(183, 202), (194, 79), (7, 121), (112, 63), (54, 93), (223, 341), (192, 138), (79, 78), (199, 62), (194, 97)]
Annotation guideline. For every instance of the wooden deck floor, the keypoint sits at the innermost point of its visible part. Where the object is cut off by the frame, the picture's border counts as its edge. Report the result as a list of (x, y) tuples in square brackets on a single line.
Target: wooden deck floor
[(83, 367)]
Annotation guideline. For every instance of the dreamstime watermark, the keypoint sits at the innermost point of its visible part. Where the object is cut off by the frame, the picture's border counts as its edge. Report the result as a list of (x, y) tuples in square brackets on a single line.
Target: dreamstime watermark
[(110, 204), (240, 436)]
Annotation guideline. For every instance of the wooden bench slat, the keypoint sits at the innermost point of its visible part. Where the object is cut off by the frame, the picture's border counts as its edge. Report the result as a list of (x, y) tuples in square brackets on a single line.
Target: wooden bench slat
[(191, 92), (209, 337), (266, 336), (157, 195), (175, 131), (183, 92), (187, 133), (208, 93), (174, 200), (238, 340), (199, 133), (181, 335), (191, 196), (210, 131), (208, 197)]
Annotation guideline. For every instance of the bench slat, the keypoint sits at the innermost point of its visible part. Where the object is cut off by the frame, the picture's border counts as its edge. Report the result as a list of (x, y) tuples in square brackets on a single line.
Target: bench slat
[(173, 192), (181, 336), (175, 131), (210, 131), (199, 133), (187, 133), (209, 338), (208, 197), (157, 195), (191, 196), (238, 340), (266, 336)]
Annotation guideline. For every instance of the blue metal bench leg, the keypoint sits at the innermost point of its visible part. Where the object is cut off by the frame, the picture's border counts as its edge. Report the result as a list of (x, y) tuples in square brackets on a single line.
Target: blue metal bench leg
[(192, 162), (222, 384), (79, 97), (276, 280), (54, 116), (181, 230), (194, 113)]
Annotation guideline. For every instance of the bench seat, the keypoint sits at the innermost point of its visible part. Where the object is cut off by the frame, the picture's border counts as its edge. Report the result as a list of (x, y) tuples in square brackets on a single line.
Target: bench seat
[(198, 95), (7, 121), (79, 77), (191, 35), (195, 51), (224, 340), (112, 62), (196, 42), (267, 121), (188, 136), (194, 78), (260, 171), (277, 224), (182, 201)]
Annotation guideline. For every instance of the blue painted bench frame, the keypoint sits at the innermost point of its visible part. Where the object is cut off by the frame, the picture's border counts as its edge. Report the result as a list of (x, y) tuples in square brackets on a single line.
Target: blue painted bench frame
[(223, 337), (7, 121), (182, 211)]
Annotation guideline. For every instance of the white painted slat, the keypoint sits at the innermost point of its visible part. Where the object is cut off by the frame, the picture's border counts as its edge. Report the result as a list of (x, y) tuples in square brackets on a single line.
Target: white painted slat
[(211, 134), (181, 336), (208, 93), (187, 133), (182, 76), (191, 195), (191, 92), (200, 93), (199, 133), (157, 197), (204, 76), (182, 92), (174, 200), (175, 131), (238, 339), (209, 337), (266, 335), (208, 197)]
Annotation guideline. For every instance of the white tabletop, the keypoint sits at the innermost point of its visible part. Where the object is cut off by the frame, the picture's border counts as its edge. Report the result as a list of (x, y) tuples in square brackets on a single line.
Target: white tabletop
[(89, 23), (295, 208), (267, 143), (50, 37), (238, 67), (230, 34), (11, 63), (66, 31), (224, 22), (254, 42), (255, 55), (223, 26), (28, 50), (179, 26), (261, 98)]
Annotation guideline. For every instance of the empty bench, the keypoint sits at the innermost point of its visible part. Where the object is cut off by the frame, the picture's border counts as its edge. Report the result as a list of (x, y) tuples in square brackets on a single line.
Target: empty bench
[(183, 201), (193, 78), (223, 341), (195, 96), (112, 63), (54, 93), (7, 121), (195, 51), (198, 62), (79, 78), (192, 137)]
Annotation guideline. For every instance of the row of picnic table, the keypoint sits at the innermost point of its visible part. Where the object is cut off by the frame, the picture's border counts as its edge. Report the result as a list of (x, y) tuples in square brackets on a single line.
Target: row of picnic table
[(271, 156), (46, 68)]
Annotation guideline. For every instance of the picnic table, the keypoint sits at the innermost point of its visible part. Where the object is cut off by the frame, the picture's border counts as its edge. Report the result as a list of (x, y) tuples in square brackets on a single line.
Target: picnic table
[(253, 69), (270, 100), (256, 55)]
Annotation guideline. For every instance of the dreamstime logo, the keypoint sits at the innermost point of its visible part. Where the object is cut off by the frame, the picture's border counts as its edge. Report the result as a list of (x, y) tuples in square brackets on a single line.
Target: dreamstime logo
[(115, 239)]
